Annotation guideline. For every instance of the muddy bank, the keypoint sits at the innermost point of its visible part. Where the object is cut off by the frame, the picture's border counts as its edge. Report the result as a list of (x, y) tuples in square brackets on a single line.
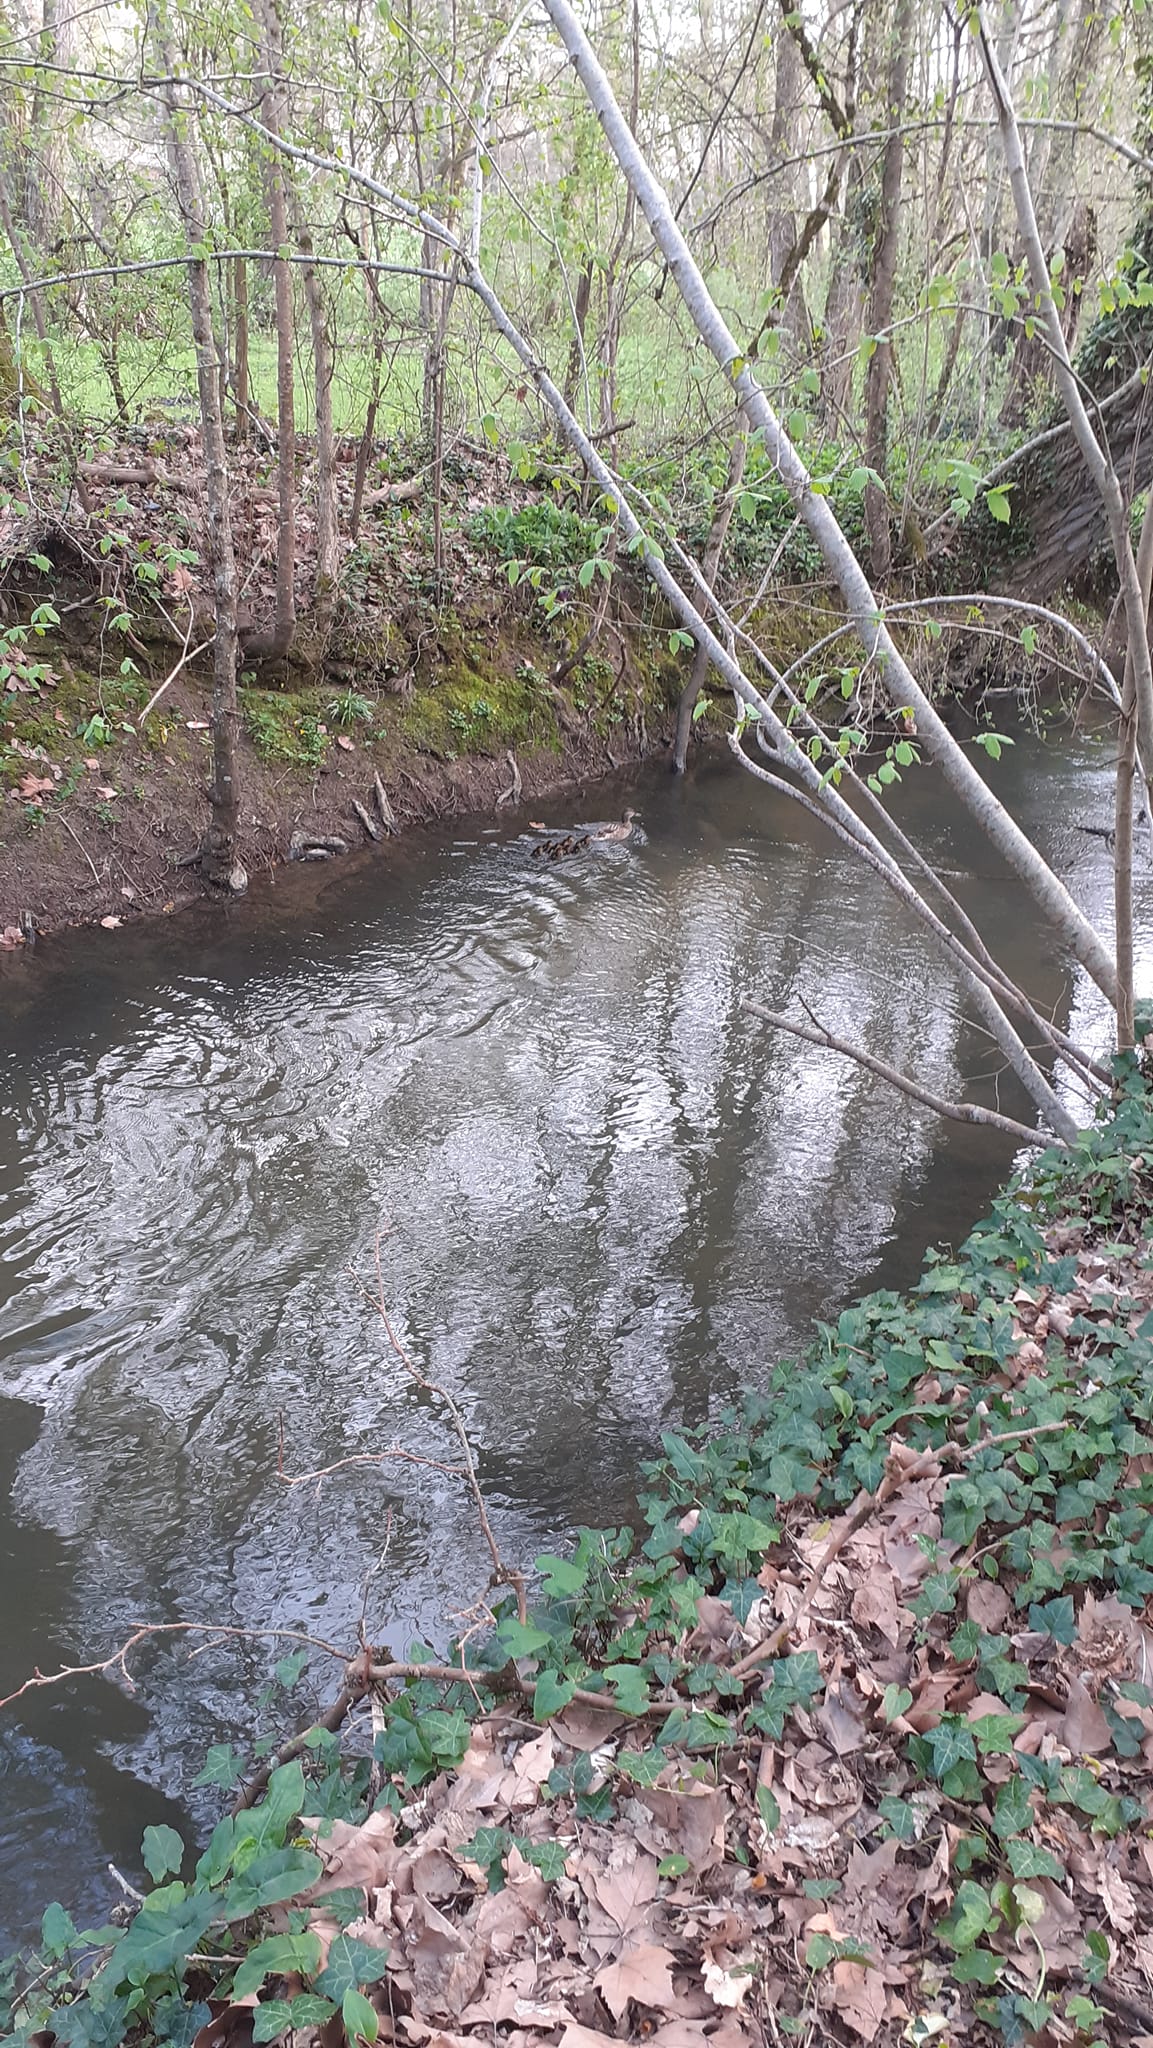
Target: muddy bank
[(116, 847)]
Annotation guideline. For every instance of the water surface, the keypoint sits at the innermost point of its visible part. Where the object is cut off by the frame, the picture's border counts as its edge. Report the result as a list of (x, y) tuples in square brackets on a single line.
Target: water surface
[(608, 1197)]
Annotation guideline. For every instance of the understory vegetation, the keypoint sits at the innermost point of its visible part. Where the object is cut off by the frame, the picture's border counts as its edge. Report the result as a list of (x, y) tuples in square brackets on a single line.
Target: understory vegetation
[(847, 1740)]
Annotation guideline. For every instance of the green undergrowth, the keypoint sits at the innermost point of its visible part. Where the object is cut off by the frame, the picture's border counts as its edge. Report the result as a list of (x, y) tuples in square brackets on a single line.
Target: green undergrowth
[(1042, 1499)]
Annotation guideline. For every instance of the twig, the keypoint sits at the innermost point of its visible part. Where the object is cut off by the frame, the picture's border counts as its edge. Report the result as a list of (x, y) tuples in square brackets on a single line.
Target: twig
[(81, 845), (147, 1629), (502, 1574), (371, 1458), (128, 1889), (183, 662), (959, 1112)]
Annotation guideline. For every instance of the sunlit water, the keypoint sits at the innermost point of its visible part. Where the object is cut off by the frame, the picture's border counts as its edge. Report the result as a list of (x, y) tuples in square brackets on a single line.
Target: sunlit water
[(609, 1198)]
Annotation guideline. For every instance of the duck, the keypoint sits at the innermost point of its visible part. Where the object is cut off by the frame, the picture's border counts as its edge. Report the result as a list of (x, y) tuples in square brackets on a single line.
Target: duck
[(614, 834), (617, 834)]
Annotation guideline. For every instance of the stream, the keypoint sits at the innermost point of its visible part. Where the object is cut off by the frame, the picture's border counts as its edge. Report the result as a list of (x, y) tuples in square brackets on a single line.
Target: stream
[(607, 1198)]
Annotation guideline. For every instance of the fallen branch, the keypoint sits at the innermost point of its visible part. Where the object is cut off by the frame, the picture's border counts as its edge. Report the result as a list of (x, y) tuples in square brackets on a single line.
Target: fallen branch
[(515, 790), (144, 1632), (185, 657), (370, 825), (958, 1112), (387, 814)]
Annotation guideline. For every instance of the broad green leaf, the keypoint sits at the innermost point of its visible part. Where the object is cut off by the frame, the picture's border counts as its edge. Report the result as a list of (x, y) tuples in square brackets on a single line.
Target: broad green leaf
[(163, 1852), (561, 1577), (360, 2018), (159, 1940), (268, 1880), (57, 1930)]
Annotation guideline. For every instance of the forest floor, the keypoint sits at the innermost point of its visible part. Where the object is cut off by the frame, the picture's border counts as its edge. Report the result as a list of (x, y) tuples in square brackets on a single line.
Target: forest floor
[(445, 687)]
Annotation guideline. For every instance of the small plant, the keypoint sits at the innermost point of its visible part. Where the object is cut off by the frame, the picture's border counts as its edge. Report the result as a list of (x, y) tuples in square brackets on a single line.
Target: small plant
[(349, 709)]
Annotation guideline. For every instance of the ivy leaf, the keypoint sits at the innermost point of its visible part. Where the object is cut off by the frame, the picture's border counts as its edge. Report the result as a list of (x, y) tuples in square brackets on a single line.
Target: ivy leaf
[(552, 1692), (222, 1767), (973, 1914), (351, 1963), (1029, 1859), (278, 1956)]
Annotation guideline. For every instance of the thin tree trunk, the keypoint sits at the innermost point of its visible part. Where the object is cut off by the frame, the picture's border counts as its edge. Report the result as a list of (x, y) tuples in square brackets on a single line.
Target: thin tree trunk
[(1096, 458), (1123, 805), (327, 530), (275, 645), (240, 368), (220, 860), (710, 564), (879, 372), (576, 354)]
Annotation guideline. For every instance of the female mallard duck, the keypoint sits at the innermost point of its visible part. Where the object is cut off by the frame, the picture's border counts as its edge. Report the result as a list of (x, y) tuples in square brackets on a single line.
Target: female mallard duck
[(617, 834), (578, 842)]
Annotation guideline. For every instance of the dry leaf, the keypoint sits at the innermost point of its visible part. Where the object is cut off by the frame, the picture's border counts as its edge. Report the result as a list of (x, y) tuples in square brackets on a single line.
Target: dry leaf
[(111, 923), (859, 1998), (729, 1986), (643, 1974)]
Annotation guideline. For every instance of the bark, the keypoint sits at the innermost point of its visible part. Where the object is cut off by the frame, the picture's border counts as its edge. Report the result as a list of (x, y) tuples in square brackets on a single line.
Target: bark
[(710, 564), (576, 356), (327, 529), (240, 365), (219, 857), (274, 645), (888, 238), (904, 692)]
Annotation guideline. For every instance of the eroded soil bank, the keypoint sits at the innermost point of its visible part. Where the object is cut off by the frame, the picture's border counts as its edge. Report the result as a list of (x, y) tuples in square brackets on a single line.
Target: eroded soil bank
[(456, 689)]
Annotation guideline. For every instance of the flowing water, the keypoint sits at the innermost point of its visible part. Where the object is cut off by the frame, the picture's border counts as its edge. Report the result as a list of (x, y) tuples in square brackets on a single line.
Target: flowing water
[(608, 1196)]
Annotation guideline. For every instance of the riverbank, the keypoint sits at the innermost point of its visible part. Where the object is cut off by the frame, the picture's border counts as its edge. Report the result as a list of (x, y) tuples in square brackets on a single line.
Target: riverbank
[(852, 1747), (452, 689)]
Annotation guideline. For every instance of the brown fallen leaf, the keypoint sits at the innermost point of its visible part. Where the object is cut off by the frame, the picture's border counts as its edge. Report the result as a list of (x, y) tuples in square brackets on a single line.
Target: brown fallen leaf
[(1084, 1728), (859, 1998), (642, 1974)]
